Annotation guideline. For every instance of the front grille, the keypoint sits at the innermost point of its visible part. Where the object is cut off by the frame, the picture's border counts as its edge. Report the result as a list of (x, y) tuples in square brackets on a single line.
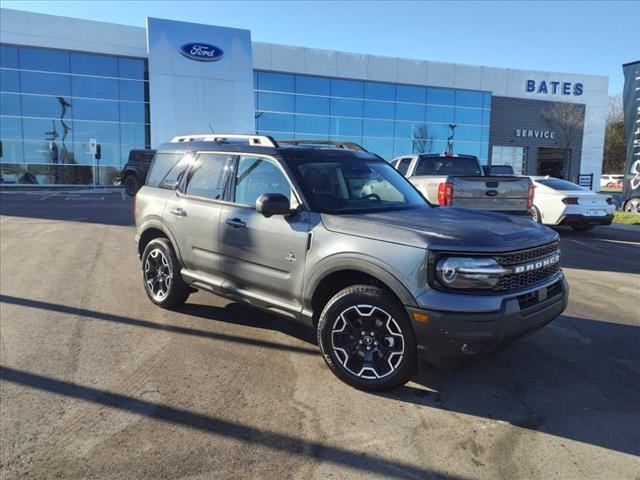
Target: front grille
[(522, 280), (523, 256)]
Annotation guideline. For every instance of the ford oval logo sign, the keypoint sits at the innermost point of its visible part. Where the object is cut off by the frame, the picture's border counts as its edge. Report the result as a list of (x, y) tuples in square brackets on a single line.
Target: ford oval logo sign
[(202, 52)]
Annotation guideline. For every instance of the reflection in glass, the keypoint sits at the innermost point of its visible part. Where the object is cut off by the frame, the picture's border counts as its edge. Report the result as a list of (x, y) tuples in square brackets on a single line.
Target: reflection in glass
[(9, 80), (44, 60), (9, 104), (94, 87), (45, 83), (92, 64)]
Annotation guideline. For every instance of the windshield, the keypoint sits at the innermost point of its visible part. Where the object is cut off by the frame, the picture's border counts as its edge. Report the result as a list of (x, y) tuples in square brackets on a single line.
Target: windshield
[(356, 185), (460, 166), (558, 184)]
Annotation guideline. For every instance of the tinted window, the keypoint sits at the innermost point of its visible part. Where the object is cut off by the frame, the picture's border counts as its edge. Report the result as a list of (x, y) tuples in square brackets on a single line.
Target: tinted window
[(278, 82), (89, 64), (276, 102), (403, 165), (162, 163), (378, 128), (51, 107), (357, 185), (133, 133), (407, 111), (176, 172), (275, 122), (312, 124), (84, 109), (131, 68), (379, 91), (560, 184), (440, 114), (94, 87), (10, 127), (45, 83), (313, 85), (206, 178), (346, 108), (9, 81), (347, 88), (406, 93), (131, 90), (316, 105), (447, 166), (470, 116), (103, 132), (9, 104), (441, 96), (379, 110), (258, 175), (346, 126), (44, 60), (465, 98), (9, 56), (132, 112)]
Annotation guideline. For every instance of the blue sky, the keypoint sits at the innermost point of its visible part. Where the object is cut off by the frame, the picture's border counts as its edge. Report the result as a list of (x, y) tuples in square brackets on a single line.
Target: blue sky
[(584, 37)]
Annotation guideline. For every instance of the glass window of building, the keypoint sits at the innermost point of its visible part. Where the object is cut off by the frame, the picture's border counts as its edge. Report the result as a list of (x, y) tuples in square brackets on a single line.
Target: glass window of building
[(388, 119), (54, 102), (513, 156)]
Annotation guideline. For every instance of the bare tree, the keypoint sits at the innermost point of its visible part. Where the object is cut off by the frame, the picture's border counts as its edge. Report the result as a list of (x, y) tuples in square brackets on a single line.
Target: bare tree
[(421, 141), (615, 113), (615, 147), (567, 120)]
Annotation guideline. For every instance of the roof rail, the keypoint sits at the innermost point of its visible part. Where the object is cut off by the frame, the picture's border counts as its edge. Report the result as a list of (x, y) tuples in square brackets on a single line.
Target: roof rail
[(326, 143), (259, 140)]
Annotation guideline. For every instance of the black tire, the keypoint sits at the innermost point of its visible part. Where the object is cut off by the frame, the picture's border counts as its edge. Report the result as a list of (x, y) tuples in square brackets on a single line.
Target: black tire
[(535, 214), (385, 360), (131, 184), (582, 227), (161, 272)]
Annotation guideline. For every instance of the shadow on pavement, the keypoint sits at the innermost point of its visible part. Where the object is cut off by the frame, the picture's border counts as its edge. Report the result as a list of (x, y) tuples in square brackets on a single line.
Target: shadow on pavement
[(577, 379), (289, 444)]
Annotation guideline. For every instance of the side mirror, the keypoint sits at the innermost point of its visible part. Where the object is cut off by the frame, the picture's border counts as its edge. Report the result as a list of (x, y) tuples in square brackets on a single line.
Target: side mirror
[(269, 204)]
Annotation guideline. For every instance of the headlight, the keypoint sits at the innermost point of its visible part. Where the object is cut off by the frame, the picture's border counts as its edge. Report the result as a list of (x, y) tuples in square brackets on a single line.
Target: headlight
[(468, 273)]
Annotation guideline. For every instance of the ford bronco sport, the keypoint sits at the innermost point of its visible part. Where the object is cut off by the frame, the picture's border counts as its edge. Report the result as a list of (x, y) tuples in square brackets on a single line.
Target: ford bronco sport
[(337, 239)]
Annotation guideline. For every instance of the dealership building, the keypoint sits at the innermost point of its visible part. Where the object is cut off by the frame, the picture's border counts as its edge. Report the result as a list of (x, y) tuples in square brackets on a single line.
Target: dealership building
[(78, 95)]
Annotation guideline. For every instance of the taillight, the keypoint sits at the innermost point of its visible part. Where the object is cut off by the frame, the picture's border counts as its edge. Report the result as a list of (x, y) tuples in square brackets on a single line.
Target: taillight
[(530, 194), (445, 194), (570, 201), (610, 200)]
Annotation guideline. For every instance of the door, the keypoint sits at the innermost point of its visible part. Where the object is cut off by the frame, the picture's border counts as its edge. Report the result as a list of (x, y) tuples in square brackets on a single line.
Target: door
[(193, 214), (553, 162), (263, 256)]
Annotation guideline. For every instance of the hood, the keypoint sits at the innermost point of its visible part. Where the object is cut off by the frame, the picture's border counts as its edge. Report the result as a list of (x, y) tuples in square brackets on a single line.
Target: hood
[(444, 228)]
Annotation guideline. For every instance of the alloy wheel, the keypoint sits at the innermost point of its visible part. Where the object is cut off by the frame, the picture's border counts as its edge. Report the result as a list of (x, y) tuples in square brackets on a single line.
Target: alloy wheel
[(157, 274), (633, 206), (367, 342)]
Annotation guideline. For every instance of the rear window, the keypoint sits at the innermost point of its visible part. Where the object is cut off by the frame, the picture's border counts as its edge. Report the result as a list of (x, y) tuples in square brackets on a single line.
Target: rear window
[(448, 166), (162, 163), (558, 184)]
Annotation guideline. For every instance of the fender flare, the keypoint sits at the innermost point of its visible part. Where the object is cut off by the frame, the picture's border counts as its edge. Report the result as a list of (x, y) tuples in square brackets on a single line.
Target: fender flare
[(361, 263), (156, 223)]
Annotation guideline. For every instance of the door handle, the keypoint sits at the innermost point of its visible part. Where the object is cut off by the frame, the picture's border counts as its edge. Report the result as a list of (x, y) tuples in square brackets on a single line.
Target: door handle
[(178, 212), (235, 222)]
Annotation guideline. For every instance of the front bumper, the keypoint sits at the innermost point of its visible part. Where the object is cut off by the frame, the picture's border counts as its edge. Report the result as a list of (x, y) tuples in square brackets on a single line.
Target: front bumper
[(450, 338), (577, 218)]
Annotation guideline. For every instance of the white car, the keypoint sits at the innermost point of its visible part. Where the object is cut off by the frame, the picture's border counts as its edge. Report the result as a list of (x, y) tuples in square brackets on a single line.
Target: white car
[(559, 202), (610, 180)]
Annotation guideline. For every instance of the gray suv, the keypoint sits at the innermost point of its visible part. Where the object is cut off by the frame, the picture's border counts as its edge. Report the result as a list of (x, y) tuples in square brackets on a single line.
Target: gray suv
[(337, 239)]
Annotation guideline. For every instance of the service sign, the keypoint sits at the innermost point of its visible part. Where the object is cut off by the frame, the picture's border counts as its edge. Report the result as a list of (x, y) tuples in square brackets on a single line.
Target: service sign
[(201, 52)]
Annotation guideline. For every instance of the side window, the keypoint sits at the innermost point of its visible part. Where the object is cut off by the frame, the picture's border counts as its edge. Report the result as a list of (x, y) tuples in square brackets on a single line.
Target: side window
[(176, 172), (207, 176), (258, 175), (161, 164), (403, 165)]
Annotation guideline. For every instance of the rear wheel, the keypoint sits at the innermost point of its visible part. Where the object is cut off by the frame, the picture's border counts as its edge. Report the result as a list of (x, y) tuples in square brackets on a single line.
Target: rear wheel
[(633, 206), (131, 184), (366, 339), (535, 214), (582, 227), (161, 275)]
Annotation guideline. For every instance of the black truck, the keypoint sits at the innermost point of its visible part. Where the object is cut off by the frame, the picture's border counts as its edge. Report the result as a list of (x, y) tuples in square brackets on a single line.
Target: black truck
[(135, 170)]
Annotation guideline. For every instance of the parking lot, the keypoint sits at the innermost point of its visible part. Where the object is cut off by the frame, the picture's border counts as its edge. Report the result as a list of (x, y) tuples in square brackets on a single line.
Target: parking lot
[(99, 383)]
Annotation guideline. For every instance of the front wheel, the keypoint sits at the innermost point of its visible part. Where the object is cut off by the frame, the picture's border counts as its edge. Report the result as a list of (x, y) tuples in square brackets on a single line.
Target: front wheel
[(582, 227), (161, 274), (366, 339)]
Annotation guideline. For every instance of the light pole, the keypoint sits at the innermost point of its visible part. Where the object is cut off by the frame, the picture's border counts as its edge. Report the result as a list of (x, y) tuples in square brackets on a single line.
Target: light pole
[(452, 126)]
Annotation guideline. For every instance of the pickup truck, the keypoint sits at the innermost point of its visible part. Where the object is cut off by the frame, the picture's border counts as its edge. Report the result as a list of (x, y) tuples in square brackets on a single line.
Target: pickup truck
[(458, 180)]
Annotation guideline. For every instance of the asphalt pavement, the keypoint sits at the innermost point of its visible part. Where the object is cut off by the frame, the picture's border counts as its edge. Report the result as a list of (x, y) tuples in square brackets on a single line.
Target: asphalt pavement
[(97, 382)]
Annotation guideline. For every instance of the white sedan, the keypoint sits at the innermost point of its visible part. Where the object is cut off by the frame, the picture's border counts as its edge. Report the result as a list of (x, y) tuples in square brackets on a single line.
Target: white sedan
[(559, 202)]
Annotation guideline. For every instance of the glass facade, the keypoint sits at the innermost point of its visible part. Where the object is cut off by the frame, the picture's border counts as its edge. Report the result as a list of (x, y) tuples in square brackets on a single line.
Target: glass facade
[(54, 102), (388, 119)]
